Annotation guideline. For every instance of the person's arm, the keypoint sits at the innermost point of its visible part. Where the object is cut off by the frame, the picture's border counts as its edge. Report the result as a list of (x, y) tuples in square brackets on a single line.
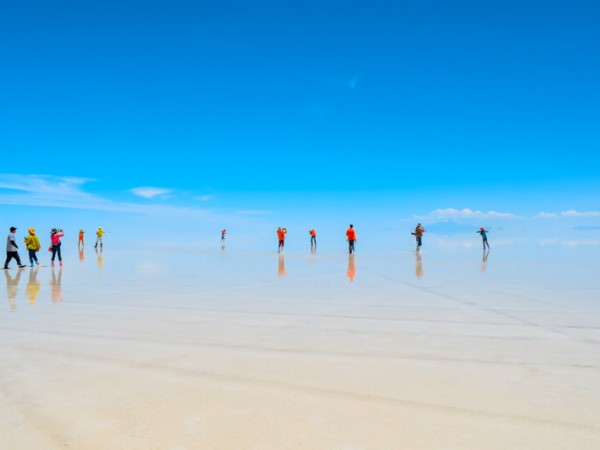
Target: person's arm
[(12, 241)]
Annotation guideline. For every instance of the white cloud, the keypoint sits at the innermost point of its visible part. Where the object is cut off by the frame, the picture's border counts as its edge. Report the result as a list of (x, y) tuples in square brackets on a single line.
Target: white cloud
[(150, 192), (466, 213), (68, 192), (573, 213), (547, 215)]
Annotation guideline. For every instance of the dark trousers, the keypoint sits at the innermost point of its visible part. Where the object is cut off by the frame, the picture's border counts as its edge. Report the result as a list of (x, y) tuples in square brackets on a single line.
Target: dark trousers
[(55, 251), (10, 256), (32, 256), (313, 241), (351, 246)]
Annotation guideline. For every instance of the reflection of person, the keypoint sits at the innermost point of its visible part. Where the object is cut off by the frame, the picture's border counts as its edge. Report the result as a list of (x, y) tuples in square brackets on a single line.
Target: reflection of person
[(313, 238), (12, 288), (351, 237), (281, 266), (33, 287), (55, 236), (12, 249), (56, 284), (418, 265), (281, 232), (223, 233), (81, 254), (32, 242), (99, 235), (81, 236), (418, 234), (484, 259), (483, 232), (100, 258), (351, 271)]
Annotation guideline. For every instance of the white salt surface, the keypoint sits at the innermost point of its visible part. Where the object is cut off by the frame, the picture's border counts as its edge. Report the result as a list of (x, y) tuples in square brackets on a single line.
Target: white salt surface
[(167, 349)]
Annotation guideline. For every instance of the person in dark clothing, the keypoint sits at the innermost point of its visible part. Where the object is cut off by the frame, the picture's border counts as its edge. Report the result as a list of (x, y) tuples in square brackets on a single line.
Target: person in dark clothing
[(12, 249)]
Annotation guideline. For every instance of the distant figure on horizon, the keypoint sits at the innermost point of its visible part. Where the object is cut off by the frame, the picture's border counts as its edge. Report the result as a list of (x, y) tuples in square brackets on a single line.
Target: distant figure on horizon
[(99, 235), (351, 237), (223, 233), (81, 235), (281, 232), (12, 249), (313, 238), (55, 236), (483, 232), (418, 234), (32, 242)]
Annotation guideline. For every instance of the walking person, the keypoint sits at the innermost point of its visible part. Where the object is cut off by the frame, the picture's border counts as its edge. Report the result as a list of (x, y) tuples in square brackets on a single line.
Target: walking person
[(483, 232), (55, 236), (351, 237), (12, 249), (99, 235), (313, 238), (281, 232), (33, 246), (418, 234)]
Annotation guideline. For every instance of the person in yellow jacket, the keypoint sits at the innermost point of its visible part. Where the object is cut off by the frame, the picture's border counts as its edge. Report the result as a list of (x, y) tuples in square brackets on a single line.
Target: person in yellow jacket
[(99, 235), (33, 246)]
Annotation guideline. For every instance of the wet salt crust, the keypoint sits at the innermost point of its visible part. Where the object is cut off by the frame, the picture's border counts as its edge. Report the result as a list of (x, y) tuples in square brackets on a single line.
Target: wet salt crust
[(447, 349)]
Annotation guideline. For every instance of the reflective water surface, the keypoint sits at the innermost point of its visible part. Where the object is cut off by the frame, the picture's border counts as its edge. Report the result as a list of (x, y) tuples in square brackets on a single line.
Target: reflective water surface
[(449, 348)]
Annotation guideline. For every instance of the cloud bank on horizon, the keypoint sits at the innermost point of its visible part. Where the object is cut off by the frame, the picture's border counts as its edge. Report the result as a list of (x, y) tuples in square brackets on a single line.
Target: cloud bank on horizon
[(72, 193)]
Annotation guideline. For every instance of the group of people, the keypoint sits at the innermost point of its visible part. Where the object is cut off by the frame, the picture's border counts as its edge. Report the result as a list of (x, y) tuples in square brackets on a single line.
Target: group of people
[(351, 237), (33, 246)]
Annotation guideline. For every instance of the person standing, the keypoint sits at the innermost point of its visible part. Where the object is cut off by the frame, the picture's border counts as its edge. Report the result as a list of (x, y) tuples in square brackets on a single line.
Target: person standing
[(313, 238), (483, 232), (351, 237), (55, 236), (223, 233), (99, 235), (418, 234), (12, 249), (281, 232), (33, 246), (81, 236)]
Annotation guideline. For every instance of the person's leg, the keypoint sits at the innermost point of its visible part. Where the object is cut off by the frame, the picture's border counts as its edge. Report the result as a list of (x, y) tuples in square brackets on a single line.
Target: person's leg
[(18, 259), (9, 257), (54, 248), (31, 254)]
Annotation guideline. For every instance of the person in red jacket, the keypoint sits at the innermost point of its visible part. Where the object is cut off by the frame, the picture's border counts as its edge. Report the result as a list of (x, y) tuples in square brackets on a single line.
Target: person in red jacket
[(351, 237), (313, 238), (281, 232)]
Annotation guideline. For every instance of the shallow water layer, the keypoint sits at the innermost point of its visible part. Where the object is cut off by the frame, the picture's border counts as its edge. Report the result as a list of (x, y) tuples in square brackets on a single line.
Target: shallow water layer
[(451, 348)]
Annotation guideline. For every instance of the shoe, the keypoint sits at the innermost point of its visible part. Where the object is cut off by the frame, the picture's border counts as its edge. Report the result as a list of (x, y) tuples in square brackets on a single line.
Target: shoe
[(5, 268), (21, 266)]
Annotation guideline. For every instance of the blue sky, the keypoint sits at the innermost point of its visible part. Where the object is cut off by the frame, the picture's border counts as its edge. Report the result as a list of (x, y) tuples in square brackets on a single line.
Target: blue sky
[(270, 111)]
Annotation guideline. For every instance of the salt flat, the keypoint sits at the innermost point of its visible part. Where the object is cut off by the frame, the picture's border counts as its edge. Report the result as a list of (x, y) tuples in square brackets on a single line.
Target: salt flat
[(230, 350)]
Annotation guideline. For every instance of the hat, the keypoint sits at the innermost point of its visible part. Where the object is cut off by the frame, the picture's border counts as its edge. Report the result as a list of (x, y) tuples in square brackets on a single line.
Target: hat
[(13, 228), (31, 230)]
